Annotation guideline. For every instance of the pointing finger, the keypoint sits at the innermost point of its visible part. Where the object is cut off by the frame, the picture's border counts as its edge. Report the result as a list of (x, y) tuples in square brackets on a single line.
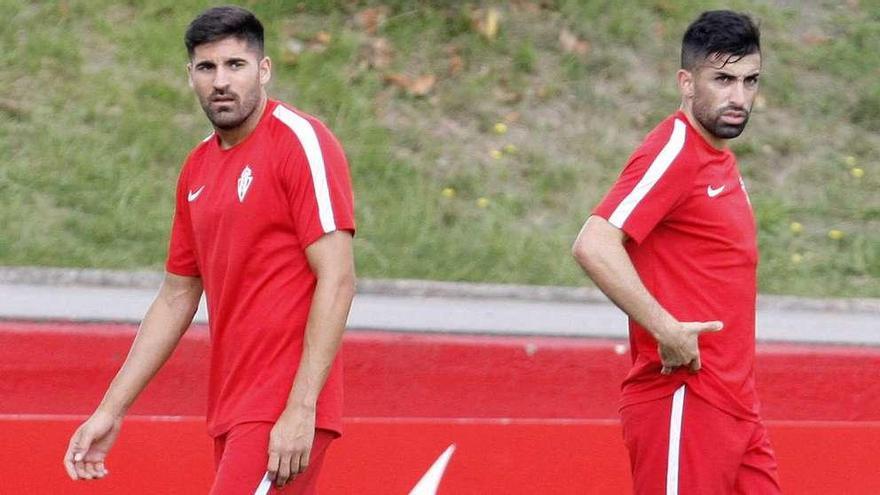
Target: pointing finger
[(704, 326), (712, 326)]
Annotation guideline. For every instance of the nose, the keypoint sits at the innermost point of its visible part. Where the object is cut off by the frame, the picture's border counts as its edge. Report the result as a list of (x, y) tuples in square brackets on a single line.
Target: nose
[(738, 95), (221, 79)]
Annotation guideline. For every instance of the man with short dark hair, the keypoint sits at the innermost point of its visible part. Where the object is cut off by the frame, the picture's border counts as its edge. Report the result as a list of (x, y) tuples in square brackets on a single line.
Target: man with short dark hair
[(264, 223), (673, 244)]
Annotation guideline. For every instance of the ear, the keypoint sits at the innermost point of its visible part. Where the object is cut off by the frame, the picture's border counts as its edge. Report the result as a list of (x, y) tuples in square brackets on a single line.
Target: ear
[(265, 70), (685, 84), (189, 74)]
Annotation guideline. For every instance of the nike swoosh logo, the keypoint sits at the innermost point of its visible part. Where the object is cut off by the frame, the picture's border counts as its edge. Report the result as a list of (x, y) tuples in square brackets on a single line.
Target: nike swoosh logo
[(714, 192), (192, 196), (430, 482)]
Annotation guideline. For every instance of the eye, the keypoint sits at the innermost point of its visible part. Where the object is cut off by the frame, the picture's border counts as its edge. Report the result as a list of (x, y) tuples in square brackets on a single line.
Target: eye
[(752, 80), (723, 78)]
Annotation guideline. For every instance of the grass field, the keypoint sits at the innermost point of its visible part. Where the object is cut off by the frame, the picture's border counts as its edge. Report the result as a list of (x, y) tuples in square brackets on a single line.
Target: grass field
[(96, 117)]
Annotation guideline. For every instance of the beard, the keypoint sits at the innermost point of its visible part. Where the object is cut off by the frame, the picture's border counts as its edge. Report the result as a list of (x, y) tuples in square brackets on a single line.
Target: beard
[(711, 120), (233, 111)]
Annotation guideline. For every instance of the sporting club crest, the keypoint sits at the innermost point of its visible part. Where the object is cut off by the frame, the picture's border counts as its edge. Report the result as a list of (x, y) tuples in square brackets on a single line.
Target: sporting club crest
[(244, 183)]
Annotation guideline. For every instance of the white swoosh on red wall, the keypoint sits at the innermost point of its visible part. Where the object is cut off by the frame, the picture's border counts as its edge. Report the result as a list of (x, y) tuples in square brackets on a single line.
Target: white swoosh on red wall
[(430, 482)]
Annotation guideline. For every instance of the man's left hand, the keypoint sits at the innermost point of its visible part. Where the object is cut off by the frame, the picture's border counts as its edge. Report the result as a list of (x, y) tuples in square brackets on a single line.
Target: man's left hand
[(290, 444)]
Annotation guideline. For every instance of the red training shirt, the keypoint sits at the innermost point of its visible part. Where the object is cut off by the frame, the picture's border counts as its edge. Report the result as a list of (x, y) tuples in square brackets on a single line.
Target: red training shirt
[(692, 240), (243, 220)]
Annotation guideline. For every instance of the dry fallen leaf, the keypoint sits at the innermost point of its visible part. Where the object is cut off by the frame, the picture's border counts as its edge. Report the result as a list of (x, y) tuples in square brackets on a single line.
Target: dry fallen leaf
[(507, 95), (12, 107), (527, 6), (665, 7), (291, 51), (570, 43), (813, 39), (659, 30), (377, 53), (542, 91), (400, 80), (422, 85), (486, 22), (372, 18), (418, 86), (322, 38), (456, 63)]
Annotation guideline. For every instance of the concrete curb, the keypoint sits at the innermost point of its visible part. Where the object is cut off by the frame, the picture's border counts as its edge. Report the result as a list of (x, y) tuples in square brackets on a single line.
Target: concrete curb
[(83, 277), (91, 277)]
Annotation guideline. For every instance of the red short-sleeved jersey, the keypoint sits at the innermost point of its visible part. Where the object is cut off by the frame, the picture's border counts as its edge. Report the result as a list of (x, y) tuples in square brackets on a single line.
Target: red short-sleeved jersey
[(692, 239), (244, 217)]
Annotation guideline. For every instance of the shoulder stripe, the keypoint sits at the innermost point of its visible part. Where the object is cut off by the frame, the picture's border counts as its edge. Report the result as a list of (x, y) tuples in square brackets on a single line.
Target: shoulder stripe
[(658, 167), (309, 141)]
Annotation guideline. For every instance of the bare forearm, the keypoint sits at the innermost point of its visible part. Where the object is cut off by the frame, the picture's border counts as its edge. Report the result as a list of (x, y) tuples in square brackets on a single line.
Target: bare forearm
[(601, 254), (164, 323)]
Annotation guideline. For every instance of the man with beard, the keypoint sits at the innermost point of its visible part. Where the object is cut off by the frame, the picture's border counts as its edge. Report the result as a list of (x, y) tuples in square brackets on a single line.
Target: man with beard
[(264, 223), (673, 244)]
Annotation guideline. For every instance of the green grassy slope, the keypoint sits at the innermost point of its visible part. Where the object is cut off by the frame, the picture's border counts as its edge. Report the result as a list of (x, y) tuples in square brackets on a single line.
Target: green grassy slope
[(96, 117)]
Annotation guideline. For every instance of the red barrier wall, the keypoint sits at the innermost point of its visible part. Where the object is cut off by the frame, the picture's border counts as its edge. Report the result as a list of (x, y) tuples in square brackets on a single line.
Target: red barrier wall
[(64, 368), (172, 456), (558, 395)]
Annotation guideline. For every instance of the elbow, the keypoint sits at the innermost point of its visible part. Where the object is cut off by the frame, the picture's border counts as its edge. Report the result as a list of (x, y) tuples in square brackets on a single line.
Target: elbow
[(583, 252), (593, 245), (596, 241)]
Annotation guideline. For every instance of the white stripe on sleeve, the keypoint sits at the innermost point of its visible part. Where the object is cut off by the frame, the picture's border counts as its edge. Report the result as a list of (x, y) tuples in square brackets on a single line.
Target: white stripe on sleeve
[(658, 167), (309, 140), (674, 441)]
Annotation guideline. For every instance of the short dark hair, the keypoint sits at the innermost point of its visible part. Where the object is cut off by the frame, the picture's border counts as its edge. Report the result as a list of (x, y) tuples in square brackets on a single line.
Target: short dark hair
[(222, 22), (719, 33)]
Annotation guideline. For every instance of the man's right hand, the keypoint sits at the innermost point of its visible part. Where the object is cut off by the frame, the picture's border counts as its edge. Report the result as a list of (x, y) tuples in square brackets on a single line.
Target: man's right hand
[(89, 446), (678, 346), (164, 324)]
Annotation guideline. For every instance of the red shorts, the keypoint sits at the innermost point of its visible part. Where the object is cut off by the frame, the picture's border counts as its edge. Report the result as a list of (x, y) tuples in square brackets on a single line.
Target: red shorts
[(242, 454), (682, 445)]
